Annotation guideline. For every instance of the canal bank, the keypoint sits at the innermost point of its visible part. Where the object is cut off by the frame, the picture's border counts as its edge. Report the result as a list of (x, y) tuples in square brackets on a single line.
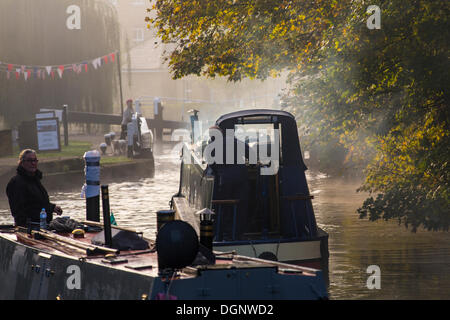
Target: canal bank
[(65, 170)]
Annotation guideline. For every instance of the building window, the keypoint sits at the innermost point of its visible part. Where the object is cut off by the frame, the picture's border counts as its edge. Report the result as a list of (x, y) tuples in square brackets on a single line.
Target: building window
[(137, 2), (138, 34)]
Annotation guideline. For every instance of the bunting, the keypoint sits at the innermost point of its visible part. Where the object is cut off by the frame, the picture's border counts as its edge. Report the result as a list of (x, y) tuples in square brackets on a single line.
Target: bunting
[(40, 72)]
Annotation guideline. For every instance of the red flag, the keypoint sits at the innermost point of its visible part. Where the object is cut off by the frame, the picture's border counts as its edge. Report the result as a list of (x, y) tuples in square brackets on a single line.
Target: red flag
[(85, 67), (112, 57), (60, 71), (105, 58), (10, 66)]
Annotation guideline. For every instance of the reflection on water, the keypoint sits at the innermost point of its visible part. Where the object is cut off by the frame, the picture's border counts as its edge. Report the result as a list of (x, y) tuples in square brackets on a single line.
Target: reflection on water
[(413, 266)]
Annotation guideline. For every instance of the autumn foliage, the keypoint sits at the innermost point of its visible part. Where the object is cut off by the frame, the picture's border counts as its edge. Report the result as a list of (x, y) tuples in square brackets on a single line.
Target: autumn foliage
[(379, 97)]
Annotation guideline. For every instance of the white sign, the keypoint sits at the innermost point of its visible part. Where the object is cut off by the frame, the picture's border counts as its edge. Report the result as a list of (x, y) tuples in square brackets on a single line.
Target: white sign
[(45, 115), (48, 134), (58, 112)]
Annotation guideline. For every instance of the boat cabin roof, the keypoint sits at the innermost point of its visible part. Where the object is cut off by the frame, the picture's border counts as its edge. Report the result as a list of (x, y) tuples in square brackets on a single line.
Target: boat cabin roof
[(290, 145), (234, 117)]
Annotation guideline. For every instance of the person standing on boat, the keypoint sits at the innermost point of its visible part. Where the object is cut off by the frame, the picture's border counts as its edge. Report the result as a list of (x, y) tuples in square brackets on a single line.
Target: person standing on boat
[(26, 194), (126, 118), (231, 179)]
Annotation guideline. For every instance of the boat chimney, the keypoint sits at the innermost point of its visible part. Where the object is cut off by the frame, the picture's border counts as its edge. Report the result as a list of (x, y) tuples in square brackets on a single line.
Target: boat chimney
[(106, 216), (164, 216), (206, 227)]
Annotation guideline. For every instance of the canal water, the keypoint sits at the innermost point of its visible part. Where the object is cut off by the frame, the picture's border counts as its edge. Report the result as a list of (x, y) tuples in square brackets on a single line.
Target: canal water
[(411, 265)]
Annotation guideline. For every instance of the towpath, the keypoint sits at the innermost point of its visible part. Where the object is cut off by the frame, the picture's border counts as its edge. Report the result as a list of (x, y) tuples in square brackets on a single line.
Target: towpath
[(9, 163)]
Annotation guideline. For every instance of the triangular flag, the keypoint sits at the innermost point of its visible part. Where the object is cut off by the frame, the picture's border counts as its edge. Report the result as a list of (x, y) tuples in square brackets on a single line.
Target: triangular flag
[(49, 69), (112, 57), (23, 69), (96, 62), (86, 67), (113, 220), (17, 73), (25, 75), (60, 71), (105, 58), (53, 74), (10, 67)]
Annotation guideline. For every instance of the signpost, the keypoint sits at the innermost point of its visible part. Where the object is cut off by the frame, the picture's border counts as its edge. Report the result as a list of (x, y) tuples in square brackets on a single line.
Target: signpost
[(48, 134)]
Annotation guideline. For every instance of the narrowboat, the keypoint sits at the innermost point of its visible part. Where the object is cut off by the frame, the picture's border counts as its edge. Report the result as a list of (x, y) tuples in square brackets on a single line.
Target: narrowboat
[(260, 197), (45, 265)]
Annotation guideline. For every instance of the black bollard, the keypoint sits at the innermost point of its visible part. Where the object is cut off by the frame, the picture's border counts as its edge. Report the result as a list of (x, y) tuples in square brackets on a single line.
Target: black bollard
[(93, 208), (106, 216)]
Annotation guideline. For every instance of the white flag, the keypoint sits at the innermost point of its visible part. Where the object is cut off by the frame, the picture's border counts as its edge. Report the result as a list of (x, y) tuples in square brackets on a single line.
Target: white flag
[(96, 63)]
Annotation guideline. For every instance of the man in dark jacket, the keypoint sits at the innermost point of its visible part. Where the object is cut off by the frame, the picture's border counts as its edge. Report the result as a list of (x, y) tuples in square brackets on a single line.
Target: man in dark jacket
[(26, 195)]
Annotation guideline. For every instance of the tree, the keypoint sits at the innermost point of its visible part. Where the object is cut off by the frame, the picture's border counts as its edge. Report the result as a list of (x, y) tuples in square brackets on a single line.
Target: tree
[(380, 95), (237, 39)]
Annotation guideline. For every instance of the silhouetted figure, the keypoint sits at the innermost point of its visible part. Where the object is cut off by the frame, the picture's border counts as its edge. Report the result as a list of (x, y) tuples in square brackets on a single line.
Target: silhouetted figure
[(26, 195)]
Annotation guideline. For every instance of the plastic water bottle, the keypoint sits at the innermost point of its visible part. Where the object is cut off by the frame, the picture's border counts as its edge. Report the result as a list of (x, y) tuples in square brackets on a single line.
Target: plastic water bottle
[(43, 217)]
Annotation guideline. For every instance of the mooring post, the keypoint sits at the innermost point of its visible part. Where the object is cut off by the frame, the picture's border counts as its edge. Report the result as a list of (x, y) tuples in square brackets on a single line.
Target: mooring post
[(158, 117), (92, 185), (65, 125)]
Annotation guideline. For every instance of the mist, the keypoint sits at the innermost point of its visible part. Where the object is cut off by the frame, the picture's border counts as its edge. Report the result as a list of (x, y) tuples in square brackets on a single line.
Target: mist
[(34, 34)]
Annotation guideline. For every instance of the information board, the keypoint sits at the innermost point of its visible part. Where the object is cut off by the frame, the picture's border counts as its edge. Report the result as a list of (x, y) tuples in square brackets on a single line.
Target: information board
[(48, 134)]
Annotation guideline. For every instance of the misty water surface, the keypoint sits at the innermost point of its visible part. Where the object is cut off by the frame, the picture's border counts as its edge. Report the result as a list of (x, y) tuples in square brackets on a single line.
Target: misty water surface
[(413, 266)]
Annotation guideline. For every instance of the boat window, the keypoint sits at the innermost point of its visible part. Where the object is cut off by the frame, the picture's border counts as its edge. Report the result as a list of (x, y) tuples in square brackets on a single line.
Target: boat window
[(259, 137), (255, 133)]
